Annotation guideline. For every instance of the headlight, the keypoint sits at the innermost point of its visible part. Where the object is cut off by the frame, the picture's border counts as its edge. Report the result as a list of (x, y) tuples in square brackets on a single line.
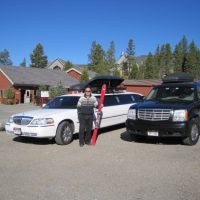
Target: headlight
[(132, 114), (43, 121), (10, 120), (180, 116)]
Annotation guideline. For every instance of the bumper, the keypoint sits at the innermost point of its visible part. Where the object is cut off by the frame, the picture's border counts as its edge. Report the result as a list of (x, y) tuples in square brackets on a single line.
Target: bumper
[(30, 131), (160, 129)]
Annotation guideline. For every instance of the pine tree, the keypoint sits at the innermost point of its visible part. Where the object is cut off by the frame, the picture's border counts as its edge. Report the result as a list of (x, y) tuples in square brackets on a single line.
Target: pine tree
[(134, 73), (97, 61), (110, 55), (110, 58), (130, 65), (23, 63), (192, 59), (141, 71), (158, 63), (184, 46), (168, 58), (149, 71), (97, 54), (198, 65), (125, 70), (102, 69), (5, 57), (84, 76), (130, 51), (67, 65), (116, 72), (162, 61), (38, 59), (92, 56), (178, 58)]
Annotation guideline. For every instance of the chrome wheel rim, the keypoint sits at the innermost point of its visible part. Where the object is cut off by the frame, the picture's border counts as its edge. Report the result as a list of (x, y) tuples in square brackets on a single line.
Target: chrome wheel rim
[(194, 132), (66, 133)]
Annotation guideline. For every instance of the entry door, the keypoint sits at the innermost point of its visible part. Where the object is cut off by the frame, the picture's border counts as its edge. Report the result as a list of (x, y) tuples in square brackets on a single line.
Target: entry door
[(27, 96)]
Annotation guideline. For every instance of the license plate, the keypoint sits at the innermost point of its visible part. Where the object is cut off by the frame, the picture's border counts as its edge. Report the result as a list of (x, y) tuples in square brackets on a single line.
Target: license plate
[(152, 133), (17, 131)]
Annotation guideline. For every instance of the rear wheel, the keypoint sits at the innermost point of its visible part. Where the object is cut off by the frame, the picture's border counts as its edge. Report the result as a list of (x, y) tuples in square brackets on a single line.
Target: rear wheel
[(193, 133), (64, 133)]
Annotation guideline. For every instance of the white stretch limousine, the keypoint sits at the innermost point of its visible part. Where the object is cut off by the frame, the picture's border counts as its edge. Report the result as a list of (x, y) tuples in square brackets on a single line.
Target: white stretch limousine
[(58, 119)]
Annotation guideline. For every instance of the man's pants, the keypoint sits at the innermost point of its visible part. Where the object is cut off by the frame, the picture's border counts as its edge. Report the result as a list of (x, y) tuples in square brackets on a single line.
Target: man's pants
[(86, 122)]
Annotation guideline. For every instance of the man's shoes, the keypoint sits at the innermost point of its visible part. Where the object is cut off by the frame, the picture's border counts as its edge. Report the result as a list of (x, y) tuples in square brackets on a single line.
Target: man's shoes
[(81, 144)]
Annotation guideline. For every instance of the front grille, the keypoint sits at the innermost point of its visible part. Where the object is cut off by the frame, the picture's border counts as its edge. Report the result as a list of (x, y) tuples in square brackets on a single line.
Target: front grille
[(22, 120), (154, 114)]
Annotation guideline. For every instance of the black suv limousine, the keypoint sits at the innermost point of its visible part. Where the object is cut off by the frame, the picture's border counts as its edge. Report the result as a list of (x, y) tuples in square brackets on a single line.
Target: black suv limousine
[(171, 109)]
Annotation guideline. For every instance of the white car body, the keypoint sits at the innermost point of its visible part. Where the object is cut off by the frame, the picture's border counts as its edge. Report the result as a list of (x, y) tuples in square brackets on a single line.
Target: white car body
[(112, 115)]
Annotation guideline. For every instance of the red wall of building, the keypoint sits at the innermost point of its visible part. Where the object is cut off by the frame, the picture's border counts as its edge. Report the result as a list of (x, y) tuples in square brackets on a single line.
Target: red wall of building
[(144, 90), (4, 82), (74, 74)]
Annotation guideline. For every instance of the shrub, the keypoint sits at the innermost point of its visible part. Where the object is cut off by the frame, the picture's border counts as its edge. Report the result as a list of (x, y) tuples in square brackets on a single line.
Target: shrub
[(9, 94), (56, 91)]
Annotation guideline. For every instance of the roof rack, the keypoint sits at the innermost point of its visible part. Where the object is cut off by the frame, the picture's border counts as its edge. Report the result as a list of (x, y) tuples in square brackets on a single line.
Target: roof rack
[(178, 77)]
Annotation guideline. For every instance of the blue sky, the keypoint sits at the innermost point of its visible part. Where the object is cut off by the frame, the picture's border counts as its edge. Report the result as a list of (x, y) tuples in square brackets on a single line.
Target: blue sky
[(66, 28)]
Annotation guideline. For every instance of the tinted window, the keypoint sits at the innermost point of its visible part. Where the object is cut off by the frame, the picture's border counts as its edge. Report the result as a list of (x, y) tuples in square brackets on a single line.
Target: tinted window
[(171, 93), (110, 101), (67, 102), (129, 98), (126, 99), (121, 99), (136, 97)]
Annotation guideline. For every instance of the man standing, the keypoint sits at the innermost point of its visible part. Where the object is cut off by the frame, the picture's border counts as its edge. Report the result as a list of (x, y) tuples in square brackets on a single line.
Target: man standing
[(85, 106)]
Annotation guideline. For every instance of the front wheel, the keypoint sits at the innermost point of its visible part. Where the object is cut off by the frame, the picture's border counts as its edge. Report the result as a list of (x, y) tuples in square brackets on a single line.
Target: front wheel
[(193, 133), (64, 133)]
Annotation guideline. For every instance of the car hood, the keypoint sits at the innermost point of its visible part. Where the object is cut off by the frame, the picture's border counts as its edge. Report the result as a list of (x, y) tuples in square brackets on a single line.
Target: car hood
[(42, 113), (161, 105)]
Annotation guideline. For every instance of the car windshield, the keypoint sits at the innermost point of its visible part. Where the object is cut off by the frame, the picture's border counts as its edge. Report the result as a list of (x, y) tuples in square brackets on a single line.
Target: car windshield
[(171, 93), (63, 102)]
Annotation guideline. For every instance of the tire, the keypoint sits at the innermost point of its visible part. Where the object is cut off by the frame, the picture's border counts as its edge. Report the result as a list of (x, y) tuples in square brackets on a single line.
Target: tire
[(193, 133), (64, 133)]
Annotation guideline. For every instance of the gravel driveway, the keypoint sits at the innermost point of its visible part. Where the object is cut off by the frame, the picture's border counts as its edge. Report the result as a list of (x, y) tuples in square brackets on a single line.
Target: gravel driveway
[(116, 168)]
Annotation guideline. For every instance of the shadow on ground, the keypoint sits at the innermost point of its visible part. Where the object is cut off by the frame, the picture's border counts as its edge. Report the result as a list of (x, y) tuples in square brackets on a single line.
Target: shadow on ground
[(47, 141), (38, 141), (125, 136)]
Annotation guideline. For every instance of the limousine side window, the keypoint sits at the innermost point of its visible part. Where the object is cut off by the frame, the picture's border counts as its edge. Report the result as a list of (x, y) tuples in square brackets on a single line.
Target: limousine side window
[(121, 99), (137, 97), (110, 101), (126, 99), (129, 98)]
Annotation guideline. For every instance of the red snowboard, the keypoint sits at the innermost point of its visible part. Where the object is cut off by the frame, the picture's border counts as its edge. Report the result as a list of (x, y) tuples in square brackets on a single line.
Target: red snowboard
[(99, 115)]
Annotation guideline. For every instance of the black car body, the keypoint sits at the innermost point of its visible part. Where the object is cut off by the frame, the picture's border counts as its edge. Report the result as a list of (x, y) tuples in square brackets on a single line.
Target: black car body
[(170, 109)]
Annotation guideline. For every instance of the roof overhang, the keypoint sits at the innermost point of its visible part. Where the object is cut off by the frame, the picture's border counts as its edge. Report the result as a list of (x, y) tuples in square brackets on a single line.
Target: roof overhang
[(73, 69)]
